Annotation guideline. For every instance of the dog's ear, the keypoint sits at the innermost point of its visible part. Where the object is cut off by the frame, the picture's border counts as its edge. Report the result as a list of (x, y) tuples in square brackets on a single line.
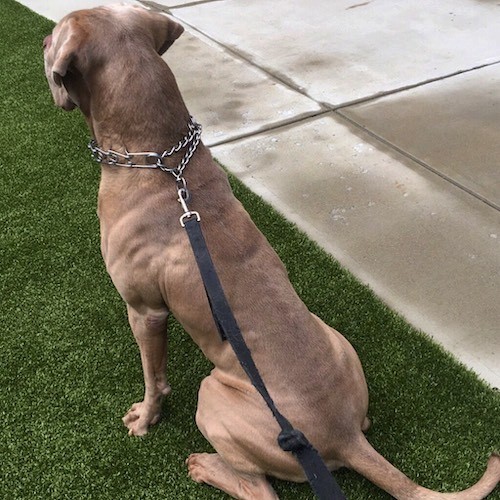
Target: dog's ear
[(63, 61), (66, 57), (66, 52), (164, 30)]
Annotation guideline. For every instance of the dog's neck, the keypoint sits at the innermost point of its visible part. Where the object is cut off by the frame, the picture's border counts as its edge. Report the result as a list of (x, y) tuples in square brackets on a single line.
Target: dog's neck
[(136, 109)]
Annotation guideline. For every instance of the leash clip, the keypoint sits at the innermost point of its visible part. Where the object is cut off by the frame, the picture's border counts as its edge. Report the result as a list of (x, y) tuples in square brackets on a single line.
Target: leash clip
[(183, 194)]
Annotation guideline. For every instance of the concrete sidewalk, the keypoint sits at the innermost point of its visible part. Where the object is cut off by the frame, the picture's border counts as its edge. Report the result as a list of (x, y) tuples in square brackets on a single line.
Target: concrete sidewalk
[(372, 125)]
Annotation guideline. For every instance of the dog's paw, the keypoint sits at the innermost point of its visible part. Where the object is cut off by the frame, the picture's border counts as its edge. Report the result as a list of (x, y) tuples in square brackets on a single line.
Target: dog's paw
[(196, 467), (139, 418)]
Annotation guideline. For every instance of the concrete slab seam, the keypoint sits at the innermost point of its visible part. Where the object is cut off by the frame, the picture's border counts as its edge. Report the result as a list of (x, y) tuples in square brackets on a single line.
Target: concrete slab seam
[(417, 160), (296, 120), (411, 86)]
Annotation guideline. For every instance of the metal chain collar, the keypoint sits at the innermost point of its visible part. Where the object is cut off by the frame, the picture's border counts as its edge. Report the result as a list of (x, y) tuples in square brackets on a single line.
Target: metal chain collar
[(190, 140), (153, 160)]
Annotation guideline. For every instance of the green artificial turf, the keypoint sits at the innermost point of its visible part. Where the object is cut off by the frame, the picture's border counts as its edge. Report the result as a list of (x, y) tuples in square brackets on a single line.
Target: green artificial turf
[(69, 367)]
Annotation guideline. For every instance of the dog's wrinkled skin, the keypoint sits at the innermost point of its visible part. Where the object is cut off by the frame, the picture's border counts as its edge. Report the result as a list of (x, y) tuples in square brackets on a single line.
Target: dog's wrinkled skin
[(106, 61)]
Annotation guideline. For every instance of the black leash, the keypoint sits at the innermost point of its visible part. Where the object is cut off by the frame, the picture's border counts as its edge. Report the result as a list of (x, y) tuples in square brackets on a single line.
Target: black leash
[(289, 439)]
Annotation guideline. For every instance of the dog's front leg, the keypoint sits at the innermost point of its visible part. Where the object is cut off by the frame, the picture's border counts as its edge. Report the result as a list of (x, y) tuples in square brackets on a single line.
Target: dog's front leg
[(150, 332)]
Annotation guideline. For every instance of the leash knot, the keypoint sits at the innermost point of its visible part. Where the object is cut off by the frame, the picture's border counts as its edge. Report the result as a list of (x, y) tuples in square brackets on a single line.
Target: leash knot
[(292, 440)]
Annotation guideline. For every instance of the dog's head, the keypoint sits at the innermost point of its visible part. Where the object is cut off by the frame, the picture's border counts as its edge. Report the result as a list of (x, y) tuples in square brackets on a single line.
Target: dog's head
[(85, 40)]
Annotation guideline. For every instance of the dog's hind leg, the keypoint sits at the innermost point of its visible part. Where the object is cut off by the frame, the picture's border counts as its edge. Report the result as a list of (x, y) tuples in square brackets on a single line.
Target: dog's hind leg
[(209, 468), (150, 332)]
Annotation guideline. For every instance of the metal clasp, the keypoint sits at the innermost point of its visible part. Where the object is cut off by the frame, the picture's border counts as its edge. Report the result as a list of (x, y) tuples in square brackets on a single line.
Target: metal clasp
[(183, 198), (182, 190)]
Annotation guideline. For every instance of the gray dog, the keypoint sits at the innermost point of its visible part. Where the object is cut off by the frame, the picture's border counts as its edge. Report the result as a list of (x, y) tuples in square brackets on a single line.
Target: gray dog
[(106, 61)]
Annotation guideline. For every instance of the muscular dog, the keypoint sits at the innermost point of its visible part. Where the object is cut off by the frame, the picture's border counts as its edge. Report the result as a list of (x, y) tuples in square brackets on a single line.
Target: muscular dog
[(106, 61)]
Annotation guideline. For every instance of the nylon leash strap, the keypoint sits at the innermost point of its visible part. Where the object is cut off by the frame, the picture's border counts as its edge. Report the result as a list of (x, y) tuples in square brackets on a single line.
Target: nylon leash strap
[(289, 439)]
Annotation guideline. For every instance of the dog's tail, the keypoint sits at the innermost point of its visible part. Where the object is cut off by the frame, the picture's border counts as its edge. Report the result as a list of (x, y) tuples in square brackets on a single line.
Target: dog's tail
[(369, 463)]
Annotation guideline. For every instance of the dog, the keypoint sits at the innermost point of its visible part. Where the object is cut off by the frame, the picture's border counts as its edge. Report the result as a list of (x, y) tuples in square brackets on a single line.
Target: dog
[(107, 62)]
